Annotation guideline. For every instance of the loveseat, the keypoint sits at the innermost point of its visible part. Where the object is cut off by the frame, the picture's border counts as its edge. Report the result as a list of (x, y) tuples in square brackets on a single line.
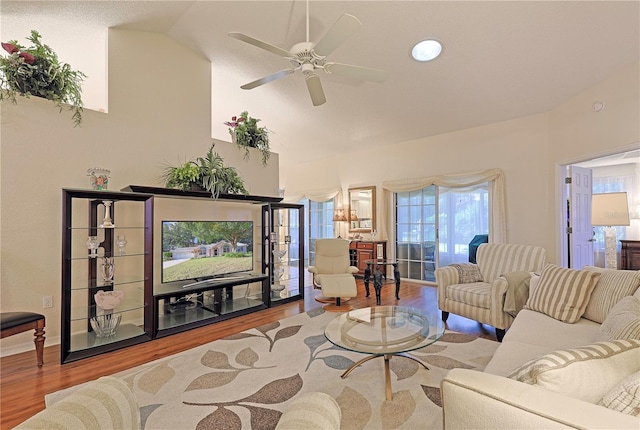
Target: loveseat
[(571, 359)]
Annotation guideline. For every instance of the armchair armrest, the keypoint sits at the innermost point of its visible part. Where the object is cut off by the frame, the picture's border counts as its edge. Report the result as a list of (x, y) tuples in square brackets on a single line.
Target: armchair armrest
[(353, 270), (445, 276), (312, 269)]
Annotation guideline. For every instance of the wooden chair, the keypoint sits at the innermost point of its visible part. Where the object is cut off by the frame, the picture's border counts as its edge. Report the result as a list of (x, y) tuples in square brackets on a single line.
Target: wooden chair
[(17, 322)]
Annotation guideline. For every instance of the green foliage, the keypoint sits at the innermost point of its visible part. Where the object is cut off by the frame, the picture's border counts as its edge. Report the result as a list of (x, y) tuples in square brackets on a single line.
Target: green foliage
[(208, 172), (249, 135), (237, 254), (36, 71), (186, 234), (216, 178), (182, 177)]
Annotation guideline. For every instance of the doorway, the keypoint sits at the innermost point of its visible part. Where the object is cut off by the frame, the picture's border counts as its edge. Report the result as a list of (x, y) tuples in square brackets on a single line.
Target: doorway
[(581, 243)]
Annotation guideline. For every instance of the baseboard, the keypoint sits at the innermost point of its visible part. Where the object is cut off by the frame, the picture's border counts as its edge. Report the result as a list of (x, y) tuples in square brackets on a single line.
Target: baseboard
[(28, 346)]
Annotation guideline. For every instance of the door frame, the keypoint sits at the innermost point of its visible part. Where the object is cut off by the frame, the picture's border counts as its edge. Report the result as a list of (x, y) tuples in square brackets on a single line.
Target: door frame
[(561, 168)]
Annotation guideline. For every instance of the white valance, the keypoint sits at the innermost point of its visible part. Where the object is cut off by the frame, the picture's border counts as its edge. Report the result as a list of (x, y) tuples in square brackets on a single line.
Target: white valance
[(316, 196), (497, 208)]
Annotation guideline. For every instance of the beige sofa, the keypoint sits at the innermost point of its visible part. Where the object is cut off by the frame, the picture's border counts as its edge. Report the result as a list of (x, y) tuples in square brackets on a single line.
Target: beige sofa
[(109, 403), (560, 390)]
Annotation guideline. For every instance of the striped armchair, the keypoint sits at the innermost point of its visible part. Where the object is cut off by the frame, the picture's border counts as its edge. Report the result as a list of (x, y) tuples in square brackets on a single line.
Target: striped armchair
[(483, 298)]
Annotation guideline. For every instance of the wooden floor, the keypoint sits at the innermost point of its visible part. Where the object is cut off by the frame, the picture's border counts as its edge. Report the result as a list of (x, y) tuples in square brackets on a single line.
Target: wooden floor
[(23, 385)]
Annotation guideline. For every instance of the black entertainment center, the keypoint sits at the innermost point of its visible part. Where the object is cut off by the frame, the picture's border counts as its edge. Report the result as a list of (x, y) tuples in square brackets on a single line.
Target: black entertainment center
[(152, 309)]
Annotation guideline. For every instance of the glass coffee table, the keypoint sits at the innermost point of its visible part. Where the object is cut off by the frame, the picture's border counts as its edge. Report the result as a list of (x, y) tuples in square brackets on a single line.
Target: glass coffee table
[(384, 331)]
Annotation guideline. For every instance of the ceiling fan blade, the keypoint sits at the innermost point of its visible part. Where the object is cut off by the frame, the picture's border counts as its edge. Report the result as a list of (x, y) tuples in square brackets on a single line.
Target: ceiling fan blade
[(364, 73), (315, 89), (267, 79), (340, 31), (260, 44)]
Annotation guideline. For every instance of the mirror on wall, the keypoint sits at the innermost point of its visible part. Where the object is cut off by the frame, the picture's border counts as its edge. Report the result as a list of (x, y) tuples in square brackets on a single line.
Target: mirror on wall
[(362, 209)]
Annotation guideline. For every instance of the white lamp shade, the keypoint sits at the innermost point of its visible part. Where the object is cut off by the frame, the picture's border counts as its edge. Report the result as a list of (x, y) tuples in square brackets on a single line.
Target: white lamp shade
[(609, 209)]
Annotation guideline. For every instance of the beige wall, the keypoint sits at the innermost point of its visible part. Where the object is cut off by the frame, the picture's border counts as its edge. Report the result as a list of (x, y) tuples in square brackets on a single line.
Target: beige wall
[(526, 149), (159, 113)]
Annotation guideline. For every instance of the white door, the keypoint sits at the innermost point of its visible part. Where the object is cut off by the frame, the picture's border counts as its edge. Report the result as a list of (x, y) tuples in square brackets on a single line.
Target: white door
[(581, 231)]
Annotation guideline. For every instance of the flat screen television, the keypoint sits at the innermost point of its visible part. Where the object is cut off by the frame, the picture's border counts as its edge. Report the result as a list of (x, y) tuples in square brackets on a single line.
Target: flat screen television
[(201, 250)]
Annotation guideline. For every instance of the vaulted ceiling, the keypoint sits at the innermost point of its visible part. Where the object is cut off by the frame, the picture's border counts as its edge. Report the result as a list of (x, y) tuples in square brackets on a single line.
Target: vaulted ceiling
[(501, 60)]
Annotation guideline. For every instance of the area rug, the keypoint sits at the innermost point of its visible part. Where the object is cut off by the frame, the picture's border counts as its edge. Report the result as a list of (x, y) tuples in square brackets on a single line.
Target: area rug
[(246, 380)]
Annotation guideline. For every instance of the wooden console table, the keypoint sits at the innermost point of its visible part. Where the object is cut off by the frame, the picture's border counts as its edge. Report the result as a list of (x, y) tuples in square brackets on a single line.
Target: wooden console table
[(630, 255)]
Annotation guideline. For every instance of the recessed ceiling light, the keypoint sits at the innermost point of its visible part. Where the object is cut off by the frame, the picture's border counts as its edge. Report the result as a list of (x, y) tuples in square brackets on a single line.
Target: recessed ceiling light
[(426, 50)]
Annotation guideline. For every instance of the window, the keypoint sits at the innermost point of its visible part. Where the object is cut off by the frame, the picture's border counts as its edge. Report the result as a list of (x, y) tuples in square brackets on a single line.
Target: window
[(320, 224), (434, 226)]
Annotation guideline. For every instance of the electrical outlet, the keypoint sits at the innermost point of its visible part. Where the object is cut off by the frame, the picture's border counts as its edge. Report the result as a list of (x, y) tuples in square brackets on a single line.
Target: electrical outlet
[(47, 302)]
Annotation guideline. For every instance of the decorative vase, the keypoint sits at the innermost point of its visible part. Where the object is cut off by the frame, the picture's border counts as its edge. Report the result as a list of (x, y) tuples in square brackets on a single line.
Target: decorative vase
[(98, 178), (93, 243), (121, 242), (107, 270)]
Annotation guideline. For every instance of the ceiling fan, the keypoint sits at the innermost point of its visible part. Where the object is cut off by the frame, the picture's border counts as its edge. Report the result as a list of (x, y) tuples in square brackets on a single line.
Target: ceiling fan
[(309, 58)]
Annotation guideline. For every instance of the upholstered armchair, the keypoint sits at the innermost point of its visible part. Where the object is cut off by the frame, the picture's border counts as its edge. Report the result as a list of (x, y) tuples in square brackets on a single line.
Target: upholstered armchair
[(478, 291), (332, 272)]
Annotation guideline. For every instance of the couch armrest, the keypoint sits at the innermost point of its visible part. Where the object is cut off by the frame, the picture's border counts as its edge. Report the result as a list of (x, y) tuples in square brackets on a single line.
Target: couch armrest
[(311, 411), (472, 399), (499, 318), (445, 276), (106, 403)]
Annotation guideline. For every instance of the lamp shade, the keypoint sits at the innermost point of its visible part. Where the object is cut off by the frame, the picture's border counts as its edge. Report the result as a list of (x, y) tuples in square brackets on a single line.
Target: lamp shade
[(339, 215), (609, 209)]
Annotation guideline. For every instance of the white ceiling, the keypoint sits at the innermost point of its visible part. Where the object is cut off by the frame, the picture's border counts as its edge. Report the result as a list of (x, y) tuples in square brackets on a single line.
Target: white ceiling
[(501, 60)]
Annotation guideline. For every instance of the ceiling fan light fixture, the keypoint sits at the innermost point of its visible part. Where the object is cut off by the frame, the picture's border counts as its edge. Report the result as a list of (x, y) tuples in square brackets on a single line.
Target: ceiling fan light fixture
[(426, 50)]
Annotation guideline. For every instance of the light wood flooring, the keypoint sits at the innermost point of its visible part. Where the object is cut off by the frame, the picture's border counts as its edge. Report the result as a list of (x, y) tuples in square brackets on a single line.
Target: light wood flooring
[(23, 385)]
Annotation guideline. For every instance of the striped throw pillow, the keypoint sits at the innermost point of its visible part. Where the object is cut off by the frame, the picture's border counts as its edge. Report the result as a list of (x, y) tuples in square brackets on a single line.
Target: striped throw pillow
[(625, 397), (612, 286), (563, 293), (586, 373), (623, 322)]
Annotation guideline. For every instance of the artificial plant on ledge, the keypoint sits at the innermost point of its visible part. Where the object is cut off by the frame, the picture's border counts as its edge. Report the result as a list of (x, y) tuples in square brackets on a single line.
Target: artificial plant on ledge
[(206, 173), (246, 134), (36, 71)]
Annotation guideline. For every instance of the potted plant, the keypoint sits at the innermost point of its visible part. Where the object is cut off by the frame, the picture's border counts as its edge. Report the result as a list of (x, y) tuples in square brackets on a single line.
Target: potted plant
[(246, 134), (206, 173), (36, 71)]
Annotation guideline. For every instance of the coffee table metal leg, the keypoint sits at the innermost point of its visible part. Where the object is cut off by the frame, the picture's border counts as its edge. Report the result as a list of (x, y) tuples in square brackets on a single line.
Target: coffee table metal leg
[(387, 371), (356, 364), (387, 378)]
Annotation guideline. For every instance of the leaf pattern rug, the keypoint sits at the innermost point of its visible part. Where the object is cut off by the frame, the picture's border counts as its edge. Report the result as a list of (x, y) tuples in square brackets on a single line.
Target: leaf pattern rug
[(245, 381)]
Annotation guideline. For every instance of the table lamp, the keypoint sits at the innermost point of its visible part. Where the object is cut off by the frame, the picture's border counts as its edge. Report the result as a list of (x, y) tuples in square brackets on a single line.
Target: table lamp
[(609, 210), (339, 216)]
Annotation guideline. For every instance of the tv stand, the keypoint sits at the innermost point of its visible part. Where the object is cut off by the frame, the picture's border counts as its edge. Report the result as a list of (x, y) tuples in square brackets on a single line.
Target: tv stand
[(217, 299)]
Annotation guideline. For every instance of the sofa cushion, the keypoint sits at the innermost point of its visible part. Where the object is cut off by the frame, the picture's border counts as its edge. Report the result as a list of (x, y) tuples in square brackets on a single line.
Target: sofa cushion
[(586, 373), (612, 286), (467, 272), (534, 334), (625, 397), (563, 293), (623, 322)]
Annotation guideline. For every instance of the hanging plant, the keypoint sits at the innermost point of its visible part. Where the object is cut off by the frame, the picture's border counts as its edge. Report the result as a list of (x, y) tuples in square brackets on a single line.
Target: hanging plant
[(246, 134), (36, 71)]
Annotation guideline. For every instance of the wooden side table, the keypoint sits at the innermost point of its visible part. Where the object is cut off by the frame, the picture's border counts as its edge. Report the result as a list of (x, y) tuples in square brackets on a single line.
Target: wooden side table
[(630, 255)]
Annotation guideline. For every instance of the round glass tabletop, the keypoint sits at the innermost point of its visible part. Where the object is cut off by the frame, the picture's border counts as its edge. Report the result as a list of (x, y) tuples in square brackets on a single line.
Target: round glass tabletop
[(384, 330)]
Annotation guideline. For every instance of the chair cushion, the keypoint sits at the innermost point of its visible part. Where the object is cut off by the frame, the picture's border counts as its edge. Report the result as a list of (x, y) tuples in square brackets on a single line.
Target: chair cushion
[(14, 319), (494, 259), (476, 294), (563, 293), (612, 286)]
